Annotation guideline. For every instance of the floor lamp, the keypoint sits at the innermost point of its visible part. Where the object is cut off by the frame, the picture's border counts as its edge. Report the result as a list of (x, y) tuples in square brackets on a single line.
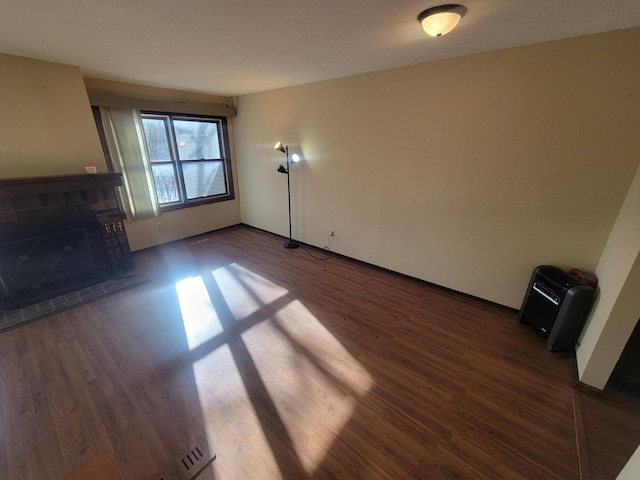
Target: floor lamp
[(285, 149)]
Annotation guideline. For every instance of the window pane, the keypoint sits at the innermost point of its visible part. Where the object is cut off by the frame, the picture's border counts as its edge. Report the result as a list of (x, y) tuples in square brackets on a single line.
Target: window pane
[(202, 179), (166, 184), (155, 134), (196, 139)]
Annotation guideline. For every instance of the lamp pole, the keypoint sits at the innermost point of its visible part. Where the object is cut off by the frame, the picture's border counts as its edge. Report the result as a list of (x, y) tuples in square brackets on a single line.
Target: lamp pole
[(290, 243), (285, 149)]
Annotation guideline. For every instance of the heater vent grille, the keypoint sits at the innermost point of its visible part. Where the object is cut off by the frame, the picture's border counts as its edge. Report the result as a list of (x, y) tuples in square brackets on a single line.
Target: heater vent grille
[(189, 465)]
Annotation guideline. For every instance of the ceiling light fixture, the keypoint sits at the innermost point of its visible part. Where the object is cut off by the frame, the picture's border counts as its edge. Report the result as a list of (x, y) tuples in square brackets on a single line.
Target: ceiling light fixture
[(438, 21)]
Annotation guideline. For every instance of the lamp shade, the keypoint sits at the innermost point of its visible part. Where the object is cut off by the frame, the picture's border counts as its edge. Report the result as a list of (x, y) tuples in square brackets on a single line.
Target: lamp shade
[(438, 21)]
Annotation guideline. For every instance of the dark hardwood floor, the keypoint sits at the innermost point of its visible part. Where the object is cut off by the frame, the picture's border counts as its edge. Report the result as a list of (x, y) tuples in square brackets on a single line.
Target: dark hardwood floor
[(292, 368), (612, 430)]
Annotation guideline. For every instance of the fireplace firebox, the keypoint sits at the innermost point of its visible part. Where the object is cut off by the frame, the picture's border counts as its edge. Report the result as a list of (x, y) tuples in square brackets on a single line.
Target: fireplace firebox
[(44, 258), (59, 234)]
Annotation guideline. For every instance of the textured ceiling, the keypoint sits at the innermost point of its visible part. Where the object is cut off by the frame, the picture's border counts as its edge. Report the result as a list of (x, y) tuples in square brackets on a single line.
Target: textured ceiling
[(233, 47)]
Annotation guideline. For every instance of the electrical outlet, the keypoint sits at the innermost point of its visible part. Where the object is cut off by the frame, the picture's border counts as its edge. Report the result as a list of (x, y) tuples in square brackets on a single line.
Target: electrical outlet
[(333, 233), (159, 226)]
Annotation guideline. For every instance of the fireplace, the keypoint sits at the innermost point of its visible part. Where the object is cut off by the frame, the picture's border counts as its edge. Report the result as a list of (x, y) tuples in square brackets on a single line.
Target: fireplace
[(59, 234), (44, 258)]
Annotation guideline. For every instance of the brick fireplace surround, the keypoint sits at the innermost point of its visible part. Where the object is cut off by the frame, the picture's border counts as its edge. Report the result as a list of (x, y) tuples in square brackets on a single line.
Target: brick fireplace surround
[(44, 198)]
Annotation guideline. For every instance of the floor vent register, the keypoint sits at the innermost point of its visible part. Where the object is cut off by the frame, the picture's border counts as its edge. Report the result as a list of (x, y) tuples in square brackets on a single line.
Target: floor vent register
[(188, 466)]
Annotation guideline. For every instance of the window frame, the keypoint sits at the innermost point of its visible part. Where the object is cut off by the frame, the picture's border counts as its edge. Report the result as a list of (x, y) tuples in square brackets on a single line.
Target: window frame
[(223, 138)]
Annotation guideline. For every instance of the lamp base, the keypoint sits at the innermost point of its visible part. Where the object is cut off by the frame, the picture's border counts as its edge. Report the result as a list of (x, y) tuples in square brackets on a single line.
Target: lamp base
[(291, 245)]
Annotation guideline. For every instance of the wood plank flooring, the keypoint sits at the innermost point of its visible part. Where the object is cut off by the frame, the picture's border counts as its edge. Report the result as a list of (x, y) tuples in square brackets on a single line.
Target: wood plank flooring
[(612, 430), (291, 367)]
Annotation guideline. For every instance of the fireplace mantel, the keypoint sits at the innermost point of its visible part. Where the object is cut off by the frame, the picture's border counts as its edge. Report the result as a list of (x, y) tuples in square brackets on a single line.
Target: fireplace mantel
[(11, 187)]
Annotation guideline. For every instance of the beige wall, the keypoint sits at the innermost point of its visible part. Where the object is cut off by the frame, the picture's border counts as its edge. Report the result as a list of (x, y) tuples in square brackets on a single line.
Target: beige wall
[(617, 308), (467, 172), (182, 223), (631, 470), (46, 125), (95, 86)]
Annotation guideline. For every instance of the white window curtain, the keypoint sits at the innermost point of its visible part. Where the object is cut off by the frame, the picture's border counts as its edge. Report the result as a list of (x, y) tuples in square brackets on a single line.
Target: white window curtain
[(125, 140)]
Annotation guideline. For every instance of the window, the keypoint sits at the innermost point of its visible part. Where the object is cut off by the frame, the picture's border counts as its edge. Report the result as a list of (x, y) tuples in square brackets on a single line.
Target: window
[(167, 160), (189, 158)]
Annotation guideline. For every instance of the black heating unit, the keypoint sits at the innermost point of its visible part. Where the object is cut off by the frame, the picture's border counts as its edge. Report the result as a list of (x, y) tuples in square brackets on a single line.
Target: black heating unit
[(556, 305)]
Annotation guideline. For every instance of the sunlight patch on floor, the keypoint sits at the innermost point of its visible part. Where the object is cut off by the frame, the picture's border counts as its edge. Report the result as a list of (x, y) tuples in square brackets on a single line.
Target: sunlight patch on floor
[(317, 342), (245, 292), (305, 369), (199, 317), (302, 366), (263, 289), (227, 411)]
